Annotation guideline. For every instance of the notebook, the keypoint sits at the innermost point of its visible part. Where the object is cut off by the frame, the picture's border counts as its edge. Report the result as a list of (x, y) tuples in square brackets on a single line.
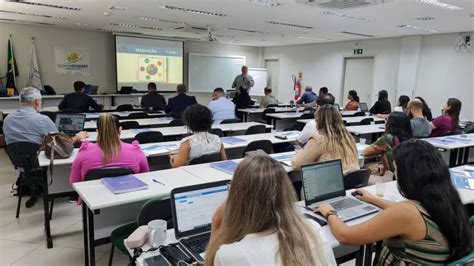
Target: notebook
[(123, 184), (462, 179), (225, 166), (288, 134), (284, 158), (232, 140), (160, 148)]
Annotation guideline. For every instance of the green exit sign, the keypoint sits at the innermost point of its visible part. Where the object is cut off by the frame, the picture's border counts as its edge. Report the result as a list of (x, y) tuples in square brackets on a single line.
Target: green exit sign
[(358, 51)]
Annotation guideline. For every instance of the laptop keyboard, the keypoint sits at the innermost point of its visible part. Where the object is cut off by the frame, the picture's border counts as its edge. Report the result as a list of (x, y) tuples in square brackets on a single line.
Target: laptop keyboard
[(197, 244), (344, 204)]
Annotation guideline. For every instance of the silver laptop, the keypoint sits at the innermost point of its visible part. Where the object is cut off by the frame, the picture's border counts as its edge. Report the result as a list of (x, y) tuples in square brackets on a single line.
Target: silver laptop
[(193, 208), (323, 183), (70, 124), (363, 107)]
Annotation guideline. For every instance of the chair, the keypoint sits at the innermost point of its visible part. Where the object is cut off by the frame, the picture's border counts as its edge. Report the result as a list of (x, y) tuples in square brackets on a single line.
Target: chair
[(24, 156), (139, 115), (206, 158), (149, 137), (99, 173), (366, 121), (49, 90), (468, 259), (307, 116), (124, 108), (230, 121), (176, 123), (265, 119), (153, 209), (218, 132), (264, 145), (51, 115), (257, 129), (272, 105), (359, 114), (470, 130), (455, 132), (129, 125), (356, 179)]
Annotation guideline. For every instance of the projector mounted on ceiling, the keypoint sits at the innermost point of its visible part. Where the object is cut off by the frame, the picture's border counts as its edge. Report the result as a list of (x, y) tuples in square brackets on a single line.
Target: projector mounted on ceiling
[(341, 4)]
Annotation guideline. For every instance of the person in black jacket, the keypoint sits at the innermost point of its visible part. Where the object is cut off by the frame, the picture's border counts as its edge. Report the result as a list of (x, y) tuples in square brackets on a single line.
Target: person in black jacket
[(242, 99), (178, 104), (153, 100), (382, 106), (78, 102)]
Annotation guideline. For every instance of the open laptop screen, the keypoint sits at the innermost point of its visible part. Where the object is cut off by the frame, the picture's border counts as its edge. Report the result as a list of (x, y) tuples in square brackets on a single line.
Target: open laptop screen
[(193, 207), (363, 107), (322, 181), (70, 122)]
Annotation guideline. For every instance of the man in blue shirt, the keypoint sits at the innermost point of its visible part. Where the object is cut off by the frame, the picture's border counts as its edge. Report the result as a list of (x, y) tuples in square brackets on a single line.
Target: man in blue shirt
[(221, 108), (308, 96)]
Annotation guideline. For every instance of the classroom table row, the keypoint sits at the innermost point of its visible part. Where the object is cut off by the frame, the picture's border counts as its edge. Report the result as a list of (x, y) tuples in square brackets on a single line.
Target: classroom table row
[(247, 112)]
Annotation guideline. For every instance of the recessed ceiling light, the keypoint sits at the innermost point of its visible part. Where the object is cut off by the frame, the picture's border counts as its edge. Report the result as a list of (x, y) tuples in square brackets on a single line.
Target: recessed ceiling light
[(437, 3), (48, 5), (417, 28), (25, 21), (160, 20), (31, 14), (119, 8), (134, 26), (194, 11), (312, 38), (247, 31), (289, 25), (329, 13), (81, 24), (425, 18), (266, 2), (357, 34), (147, 18)]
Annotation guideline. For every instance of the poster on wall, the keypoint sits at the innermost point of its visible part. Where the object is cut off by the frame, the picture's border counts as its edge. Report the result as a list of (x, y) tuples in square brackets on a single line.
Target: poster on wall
[(72, 60)]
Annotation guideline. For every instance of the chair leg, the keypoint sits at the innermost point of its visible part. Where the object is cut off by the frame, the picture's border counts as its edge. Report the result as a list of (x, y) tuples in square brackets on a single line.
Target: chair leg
[(51, 209), (19, 191), (111, 255)]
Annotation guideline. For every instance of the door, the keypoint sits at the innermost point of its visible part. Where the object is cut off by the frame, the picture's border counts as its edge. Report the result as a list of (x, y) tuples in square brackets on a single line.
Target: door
[(358, 76), (273, 74)]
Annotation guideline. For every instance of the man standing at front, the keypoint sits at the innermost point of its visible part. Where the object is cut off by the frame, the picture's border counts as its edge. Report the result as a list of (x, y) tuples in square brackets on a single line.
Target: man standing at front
[(243, 80)]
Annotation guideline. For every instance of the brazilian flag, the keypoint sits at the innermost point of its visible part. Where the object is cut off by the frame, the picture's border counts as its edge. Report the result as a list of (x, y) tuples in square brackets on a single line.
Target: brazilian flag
[(12, 69)]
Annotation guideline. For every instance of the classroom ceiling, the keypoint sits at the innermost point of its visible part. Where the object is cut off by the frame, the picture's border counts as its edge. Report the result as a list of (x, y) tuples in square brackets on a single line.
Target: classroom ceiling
[(250, 22)]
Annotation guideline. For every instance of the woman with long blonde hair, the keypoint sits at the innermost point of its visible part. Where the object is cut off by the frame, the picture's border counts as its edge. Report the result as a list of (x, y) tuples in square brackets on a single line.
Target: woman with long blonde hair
[(259, 224), (109, 151), (330, 141)]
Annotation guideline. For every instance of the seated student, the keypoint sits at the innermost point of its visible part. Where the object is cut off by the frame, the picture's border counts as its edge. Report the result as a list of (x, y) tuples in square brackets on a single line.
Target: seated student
[(449, 121), (221, 107), (152, 100), (109, 151), (401, 106), (429, 228), (198, 119), (322, 92), (308, 96), (382, 106), (426, 109), (180, 102), (420, 126), (253, 227), (310, 128), (77, 101), (268, 99), (242, 99), (353, 104), (397, 130), (330, 141)]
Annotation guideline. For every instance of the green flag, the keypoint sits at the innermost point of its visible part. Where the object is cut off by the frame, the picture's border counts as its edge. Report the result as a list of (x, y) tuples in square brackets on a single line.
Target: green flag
[(12, 69)]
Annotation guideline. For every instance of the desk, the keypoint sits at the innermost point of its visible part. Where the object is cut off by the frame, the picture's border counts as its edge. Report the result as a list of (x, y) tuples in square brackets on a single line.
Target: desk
[(350, 120), (55, 109), (124, 114), (457, 146), (145, 122), (249, 111), (351, 113), (283, 116)]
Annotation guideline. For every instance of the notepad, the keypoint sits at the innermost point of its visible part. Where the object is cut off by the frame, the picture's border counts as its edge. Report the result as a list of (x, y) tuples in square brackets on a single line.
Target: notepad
[(124, 184), (441, 140), (288, 135), (232, 140), (225, 166), (160, 148), (460, 139), (462, 179), (284, 159)]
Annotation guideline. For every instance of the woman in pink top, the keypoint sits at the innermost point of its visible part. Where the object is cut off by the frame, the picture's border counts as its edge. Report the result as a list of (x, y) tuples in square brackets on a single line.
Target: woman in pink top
[(109, 151), (449, 121)]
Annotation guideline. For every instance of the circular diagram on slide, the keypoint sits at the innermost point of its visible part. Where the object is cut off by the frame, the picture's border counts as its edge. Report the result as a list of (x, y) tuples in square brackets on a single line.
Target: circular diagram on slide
[(151, 68)]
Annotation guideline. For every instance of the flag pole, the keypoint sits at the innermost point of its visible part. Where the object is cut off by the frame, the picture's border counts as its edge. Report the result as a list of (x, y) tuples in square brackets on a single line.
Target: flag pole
[(13, 61)]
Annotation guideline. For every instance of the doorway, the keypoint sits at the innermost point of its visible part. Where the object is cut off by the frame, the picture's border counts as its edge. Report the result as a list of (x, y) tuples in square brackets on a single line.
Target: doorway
[(358, 76), (273, 74)]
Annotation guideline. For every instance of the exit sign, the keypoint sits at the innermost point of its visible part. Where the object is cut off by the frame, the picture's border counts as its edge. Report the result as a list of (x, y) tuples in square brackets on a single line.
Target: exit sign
[(358, 51)]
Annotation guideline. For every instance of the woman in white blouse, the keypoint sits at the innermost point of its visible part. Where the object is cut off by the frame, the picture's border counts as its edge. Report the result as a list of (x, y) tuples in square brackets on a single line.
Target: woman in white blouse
[(259, 224), (198, 119)]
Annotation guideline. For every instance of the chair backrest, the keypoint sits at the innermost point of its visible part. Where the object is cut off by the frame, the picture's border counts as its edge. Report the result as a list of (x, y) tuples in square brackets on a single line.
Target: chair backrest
[(51, 115), (206, 158), (176, 123), (268, 120), (129, 125), (366, 121), (49, 90), (257, 129), (470, 130), (149, 137), (154, 209), (24, 156), (99, 173), (272, 105), (455, 132), (465, 261), (218, 132), (230, 121), (307, 116), (138, 115), (356, 179), (359, 114), (124, 107), (264, 145)]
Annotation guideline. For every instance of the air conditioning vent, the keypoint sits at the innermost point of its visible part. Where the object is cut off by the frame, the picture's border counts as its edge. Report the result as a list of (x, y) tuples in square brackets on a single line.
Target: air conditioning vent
[(341, 4)]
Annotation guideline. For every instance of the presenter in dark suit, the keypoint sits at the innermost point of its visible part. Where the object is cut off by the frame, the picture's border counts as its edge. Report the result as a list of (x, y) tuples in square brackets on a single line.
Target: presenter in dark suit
[(178, 104), (78, 102)]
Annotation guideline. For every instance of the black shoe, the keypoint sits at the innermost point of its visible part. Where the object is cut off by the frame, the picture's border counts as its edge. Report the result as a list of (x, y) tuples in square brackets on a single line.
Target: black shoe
[(29, 203)]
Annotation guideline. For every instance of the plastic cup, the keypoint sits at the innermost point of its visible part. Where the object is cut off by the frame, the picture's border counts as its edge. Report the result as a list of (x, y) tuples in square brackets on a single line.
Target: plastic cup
[(380, 189)]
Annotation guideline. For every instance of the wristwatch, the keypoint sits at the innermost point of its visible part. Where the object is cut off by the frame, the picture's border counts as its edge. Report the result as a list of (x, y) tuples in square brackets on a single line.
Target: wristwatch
[(331, 212)]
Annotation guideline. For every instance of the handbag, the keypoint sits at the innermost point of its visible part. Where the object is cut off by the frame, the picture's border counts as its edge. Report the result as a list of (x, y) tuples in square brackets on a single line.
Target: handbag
[(57, 146)]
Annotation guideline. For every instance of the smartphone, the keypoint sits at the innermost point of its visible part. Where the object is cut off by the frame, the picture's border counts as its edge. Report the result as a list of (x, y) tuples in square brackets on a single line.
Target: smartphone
[(156, 261)]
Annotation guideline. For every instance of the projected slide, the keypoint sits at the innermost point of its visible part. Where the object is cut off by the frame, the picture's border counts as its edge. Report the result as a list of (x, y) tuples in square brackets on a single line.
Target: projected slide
[(143, 60)]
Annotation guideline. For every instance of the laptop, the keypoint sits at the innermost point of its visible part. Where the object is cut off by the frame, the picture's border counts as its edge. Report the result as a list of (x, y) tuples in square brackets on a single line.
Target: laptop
[(70, 124), (125, 90), (193, 208), (323, 183), (94, 90), (363, 107)]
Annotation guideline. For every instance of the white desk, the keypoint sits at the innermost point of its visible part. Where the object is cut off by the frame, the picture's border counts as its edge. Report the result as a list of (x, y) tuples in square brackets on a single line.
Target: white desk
[(457, 146), (351, 113), (145, 122), (284, 116), (55, 109), (349, 119), (366, 129), (249, 111), (124, 114)]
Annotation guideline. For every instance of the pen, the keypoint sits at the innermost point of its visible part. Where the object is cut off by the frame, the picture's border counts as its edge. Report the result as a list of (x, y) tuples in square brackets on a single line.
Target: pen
[(156, 181)]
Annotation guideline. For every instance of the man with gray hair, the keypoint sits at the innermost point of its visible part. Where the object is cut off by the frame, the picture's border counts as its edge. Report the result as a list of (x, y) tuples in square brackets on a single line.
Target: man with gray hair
[(308, 96), (178, 104), (243, 80)]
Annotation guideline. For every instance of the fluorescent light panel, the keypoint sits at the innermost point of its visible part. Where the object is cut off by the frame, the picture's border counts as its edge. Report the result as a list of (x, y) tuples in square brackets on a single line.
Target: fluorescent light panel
[(289, 25), (247, 31), (357, 34), (134, 26), (329, 13), (118, 8), (25, 21), (160, 20), (194, 11), (31, 14), (439, 4), (266, 2), (425, 18), (312, 38), (417, 28), (49, 5)]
